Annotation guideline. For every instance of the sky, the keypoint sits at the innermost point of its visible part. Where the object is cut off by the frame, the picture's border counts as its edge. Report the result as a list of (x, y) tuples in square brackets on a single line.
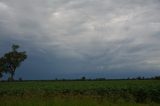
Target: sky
[(75, 38)]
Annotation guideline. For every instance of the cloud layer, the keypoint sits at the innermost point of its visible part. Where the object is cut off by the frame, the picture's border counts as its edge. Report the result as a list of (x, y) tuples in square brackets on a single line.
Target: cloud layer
[(104, 35)]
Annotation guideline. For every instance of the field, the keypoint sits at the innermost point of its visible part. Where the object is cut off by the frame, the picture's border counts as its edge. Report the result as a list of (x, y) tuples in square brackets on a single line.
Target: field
[(81, 93)]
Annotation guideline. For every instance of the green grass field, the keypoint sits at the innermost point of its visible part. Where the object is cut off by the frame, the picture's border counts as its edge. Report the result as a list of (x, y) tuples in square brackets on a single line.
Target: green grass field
[(81, 93)]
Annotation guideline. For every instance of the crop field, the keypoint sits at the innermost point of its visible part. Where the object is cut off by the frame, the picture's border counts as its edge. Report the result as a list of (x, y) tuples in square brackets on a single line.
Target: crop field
[(81, 93)]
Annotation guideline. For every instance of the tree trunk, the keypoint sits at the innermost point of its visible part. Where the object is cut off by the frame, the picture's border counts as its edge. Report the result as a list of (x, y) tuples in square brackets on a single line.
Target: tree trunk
[(12, 74), (12, 70)]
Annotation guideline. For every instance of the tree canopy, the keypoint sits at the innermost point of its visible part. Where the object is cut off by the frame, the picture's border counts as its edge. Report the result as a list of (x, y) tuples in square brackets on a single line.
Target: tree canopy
[(11, 60)]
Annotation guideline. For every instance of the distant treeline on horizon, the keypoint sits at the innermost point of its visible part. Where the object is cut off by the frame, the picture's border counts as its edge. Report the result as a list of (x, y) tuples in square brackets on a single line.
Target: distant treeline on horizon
[(88, 79)]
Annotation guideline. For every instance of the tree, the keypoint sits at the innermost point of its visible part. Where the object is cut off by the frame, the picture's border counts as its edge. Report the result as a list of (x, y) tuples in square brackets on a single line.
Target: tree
[(83, 78), (2, 67), (11, 60), (1, 75)]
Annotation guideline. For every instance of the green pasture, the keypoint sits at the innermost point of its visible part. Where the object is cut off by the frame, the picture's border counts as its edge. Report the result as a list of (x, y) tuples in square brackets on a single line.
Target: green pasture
[(81, 93)]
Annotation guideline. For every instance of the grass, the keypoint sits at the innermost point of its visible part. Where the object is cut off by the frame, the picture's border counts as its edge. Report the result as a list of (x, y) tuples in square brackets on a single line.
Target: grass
[(81, 93), (66, 101)]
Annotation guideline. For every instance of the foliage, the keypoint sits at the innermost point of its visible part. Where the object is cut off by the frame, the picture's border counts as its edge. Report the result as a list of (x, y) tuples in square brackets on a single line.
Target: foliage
[(83, 78), (138, 91), (67, 100), (11, 60)]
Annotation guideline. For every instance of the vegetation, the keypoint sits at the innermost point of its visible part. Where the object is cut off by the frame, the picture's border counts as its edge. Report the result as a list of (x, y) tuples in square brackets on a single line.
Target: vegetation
[(11, 60), (81, 93), (68, 100)]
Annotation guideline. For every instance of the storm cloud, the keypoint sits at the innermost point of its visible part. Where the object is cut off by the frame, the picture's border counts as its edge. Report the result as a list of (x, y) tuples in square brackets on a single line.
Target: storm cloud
[(83, 37)]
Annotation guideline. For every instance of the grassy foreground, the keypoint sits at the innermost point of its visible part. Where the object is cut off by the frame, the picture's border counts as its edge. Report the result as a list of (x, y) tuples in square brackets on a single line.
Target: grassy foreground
[(67, 101), (81, 93)]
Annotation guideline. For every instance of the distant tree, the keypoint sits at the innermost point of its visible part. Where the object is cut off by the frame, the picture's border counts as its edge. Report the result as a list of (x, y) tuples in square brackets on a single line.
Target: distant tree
[(143, 78), (157, 78), (20, 79), (100, 79), (56, 79), (83, 78), (139, 78), (11, 60)]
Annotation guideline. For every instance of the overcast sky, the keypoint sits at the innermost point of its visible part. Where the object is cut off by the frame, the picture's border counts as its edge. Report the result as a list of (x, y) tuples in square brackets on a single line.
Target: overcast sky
[(74, 38)]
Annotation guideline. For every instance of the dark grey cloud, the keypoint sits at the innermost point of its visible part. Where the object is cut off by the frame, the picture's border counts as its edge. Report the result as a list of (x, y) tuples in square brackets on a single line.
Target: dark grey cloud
[(96, 36)]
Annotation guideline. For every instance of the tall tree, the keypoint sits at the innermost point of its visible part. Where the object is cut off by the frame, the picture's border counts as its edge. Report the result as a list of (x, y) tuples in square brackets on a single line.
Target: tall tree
[(11, 60)]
